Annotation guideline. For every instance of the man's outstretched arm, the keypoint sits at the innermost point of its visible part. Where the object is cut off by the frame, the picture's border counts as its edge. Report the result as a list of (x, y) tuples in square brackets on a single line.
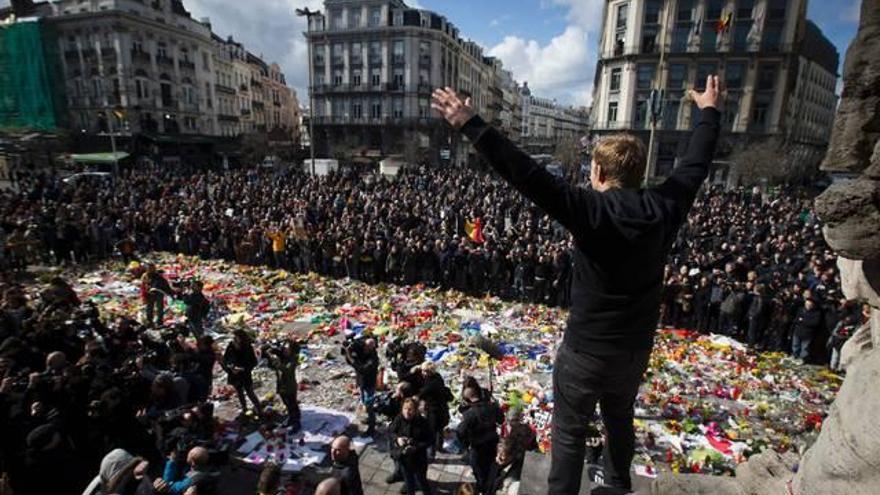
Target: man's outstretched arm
[(685, 181), (575, 208)]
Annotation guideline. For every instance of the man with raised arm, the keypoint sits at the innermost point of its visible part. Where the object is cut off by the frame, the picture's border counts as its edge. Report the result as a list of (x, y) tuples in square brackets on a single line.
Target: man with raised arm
[(622, 234)]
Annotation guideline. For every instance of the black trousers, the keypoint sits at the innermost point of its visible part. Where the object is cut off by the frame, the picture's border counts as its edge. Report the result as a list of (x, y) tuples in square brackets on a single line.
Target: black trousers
[(480, 459), (580, 381)]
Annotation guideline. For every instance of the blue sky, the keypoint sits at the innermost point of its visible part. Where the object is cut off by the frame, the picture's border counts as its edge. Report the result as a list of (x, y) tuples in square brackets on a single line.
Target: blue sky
[(551, 44)]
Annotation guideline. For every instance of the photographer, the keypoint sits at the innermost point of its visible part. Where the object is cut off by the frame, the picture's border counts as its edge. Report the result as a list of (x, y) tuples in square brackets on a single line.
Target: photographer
[(284, 362), (239, 361), (410, 439), (365, 361)]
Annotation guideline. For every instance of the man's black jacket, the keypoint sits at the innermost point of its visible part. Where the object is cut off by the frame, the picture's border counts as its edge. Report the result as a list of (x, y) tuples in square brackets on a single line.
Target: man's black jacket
[(477, 428), (622, 236)]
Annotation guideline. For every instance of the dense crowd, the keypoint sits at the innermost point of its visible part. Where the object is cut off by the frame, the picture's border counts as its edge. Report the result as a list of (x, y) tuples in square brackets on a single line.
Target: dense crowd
[(748, 264), (132, 400), (744, 264)]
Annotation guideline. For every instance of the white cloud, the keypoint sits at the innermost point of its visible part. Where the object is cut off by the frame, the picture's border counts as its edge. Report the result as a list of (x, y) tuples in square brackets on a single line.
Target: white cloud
[(494, 23), (564, 68), (269, 28)]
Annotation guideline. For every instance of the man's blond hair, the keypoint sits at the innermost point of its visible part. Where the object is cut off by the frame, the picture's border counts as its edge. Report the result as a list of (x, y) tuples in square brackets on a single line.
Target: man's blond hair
[(622, 158)]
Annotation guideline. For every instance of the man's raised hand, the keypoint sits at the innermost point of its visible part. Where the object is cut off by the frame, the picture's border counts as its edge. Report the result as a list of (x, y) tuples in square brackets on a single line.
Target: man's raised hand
[(711, 97), (451, 107)]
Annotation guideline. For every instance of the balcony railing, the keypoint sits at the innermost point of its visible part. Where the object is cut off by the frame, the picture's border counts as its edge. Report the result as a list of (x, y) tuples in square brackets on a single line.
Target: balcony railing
[(375, 60), (357, 61), (398, 59), (225, 89), (164, 60), (338, 61), (425, 60), (396, 87), (425, 88), (186, 64)]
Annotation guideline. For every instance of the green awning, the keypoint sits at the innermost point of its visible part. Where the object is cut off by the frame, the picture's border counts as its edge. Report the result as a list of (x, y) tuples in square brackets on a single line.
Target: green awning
[(99, 157)]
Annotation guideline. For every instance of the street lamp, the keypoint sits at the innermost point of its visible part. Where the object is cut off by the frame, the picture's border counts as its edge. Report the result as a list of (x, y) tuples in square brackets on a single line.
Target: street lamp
[(309, 14)]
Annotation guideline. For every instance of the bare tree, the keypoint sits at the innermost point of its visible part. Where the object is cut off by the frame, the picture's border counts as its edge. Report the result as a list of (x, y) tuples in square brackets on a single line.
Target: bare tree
[(760, 161), (569, 153), (341, 147)]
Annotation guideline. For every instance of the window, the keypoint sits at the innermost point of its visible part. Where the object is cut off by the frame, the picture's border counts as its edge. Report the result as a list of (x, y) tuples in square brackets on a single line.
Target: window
[(622, 11), (772, 37), (767, 77), (398, 79), (356, 77), (162, 49), (731, 112), (761, 115), (652, 11), (319, 54), (357, 51), (140, 88), (338, 53), (167, 100), (670, 112), (97, 87), (615, 79), (397, 18), (319, 79), (677, 76), (397, 108), (375, 77), (741, 35), (640, 118), (206, 61), (645, 76), (208, 98), (375, 53), (680, 37), (650, 39), (338, 107), (336, 21), (354, 16), (357, 109), (714, 8), (734, 75), (337, 77), (424, 77), (685, 10), (703, 72), (424, 108), (776, 10), (375, 16), (708, 37), (376, 109), (612, 112), (397, 51), (745, 9)]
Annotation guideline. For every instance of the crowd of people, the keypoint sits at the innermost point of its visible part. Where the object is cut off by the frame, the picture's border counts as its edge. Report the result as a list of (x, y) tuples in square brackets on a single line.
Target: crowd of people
[(745, 264), (749, 264), (79, 393)]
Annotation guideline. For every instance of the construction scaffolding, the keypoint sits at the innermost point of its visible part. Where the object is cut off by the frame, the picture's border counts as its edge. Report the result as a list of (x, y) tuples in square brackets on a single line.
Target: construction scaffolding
[(32, 93)]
